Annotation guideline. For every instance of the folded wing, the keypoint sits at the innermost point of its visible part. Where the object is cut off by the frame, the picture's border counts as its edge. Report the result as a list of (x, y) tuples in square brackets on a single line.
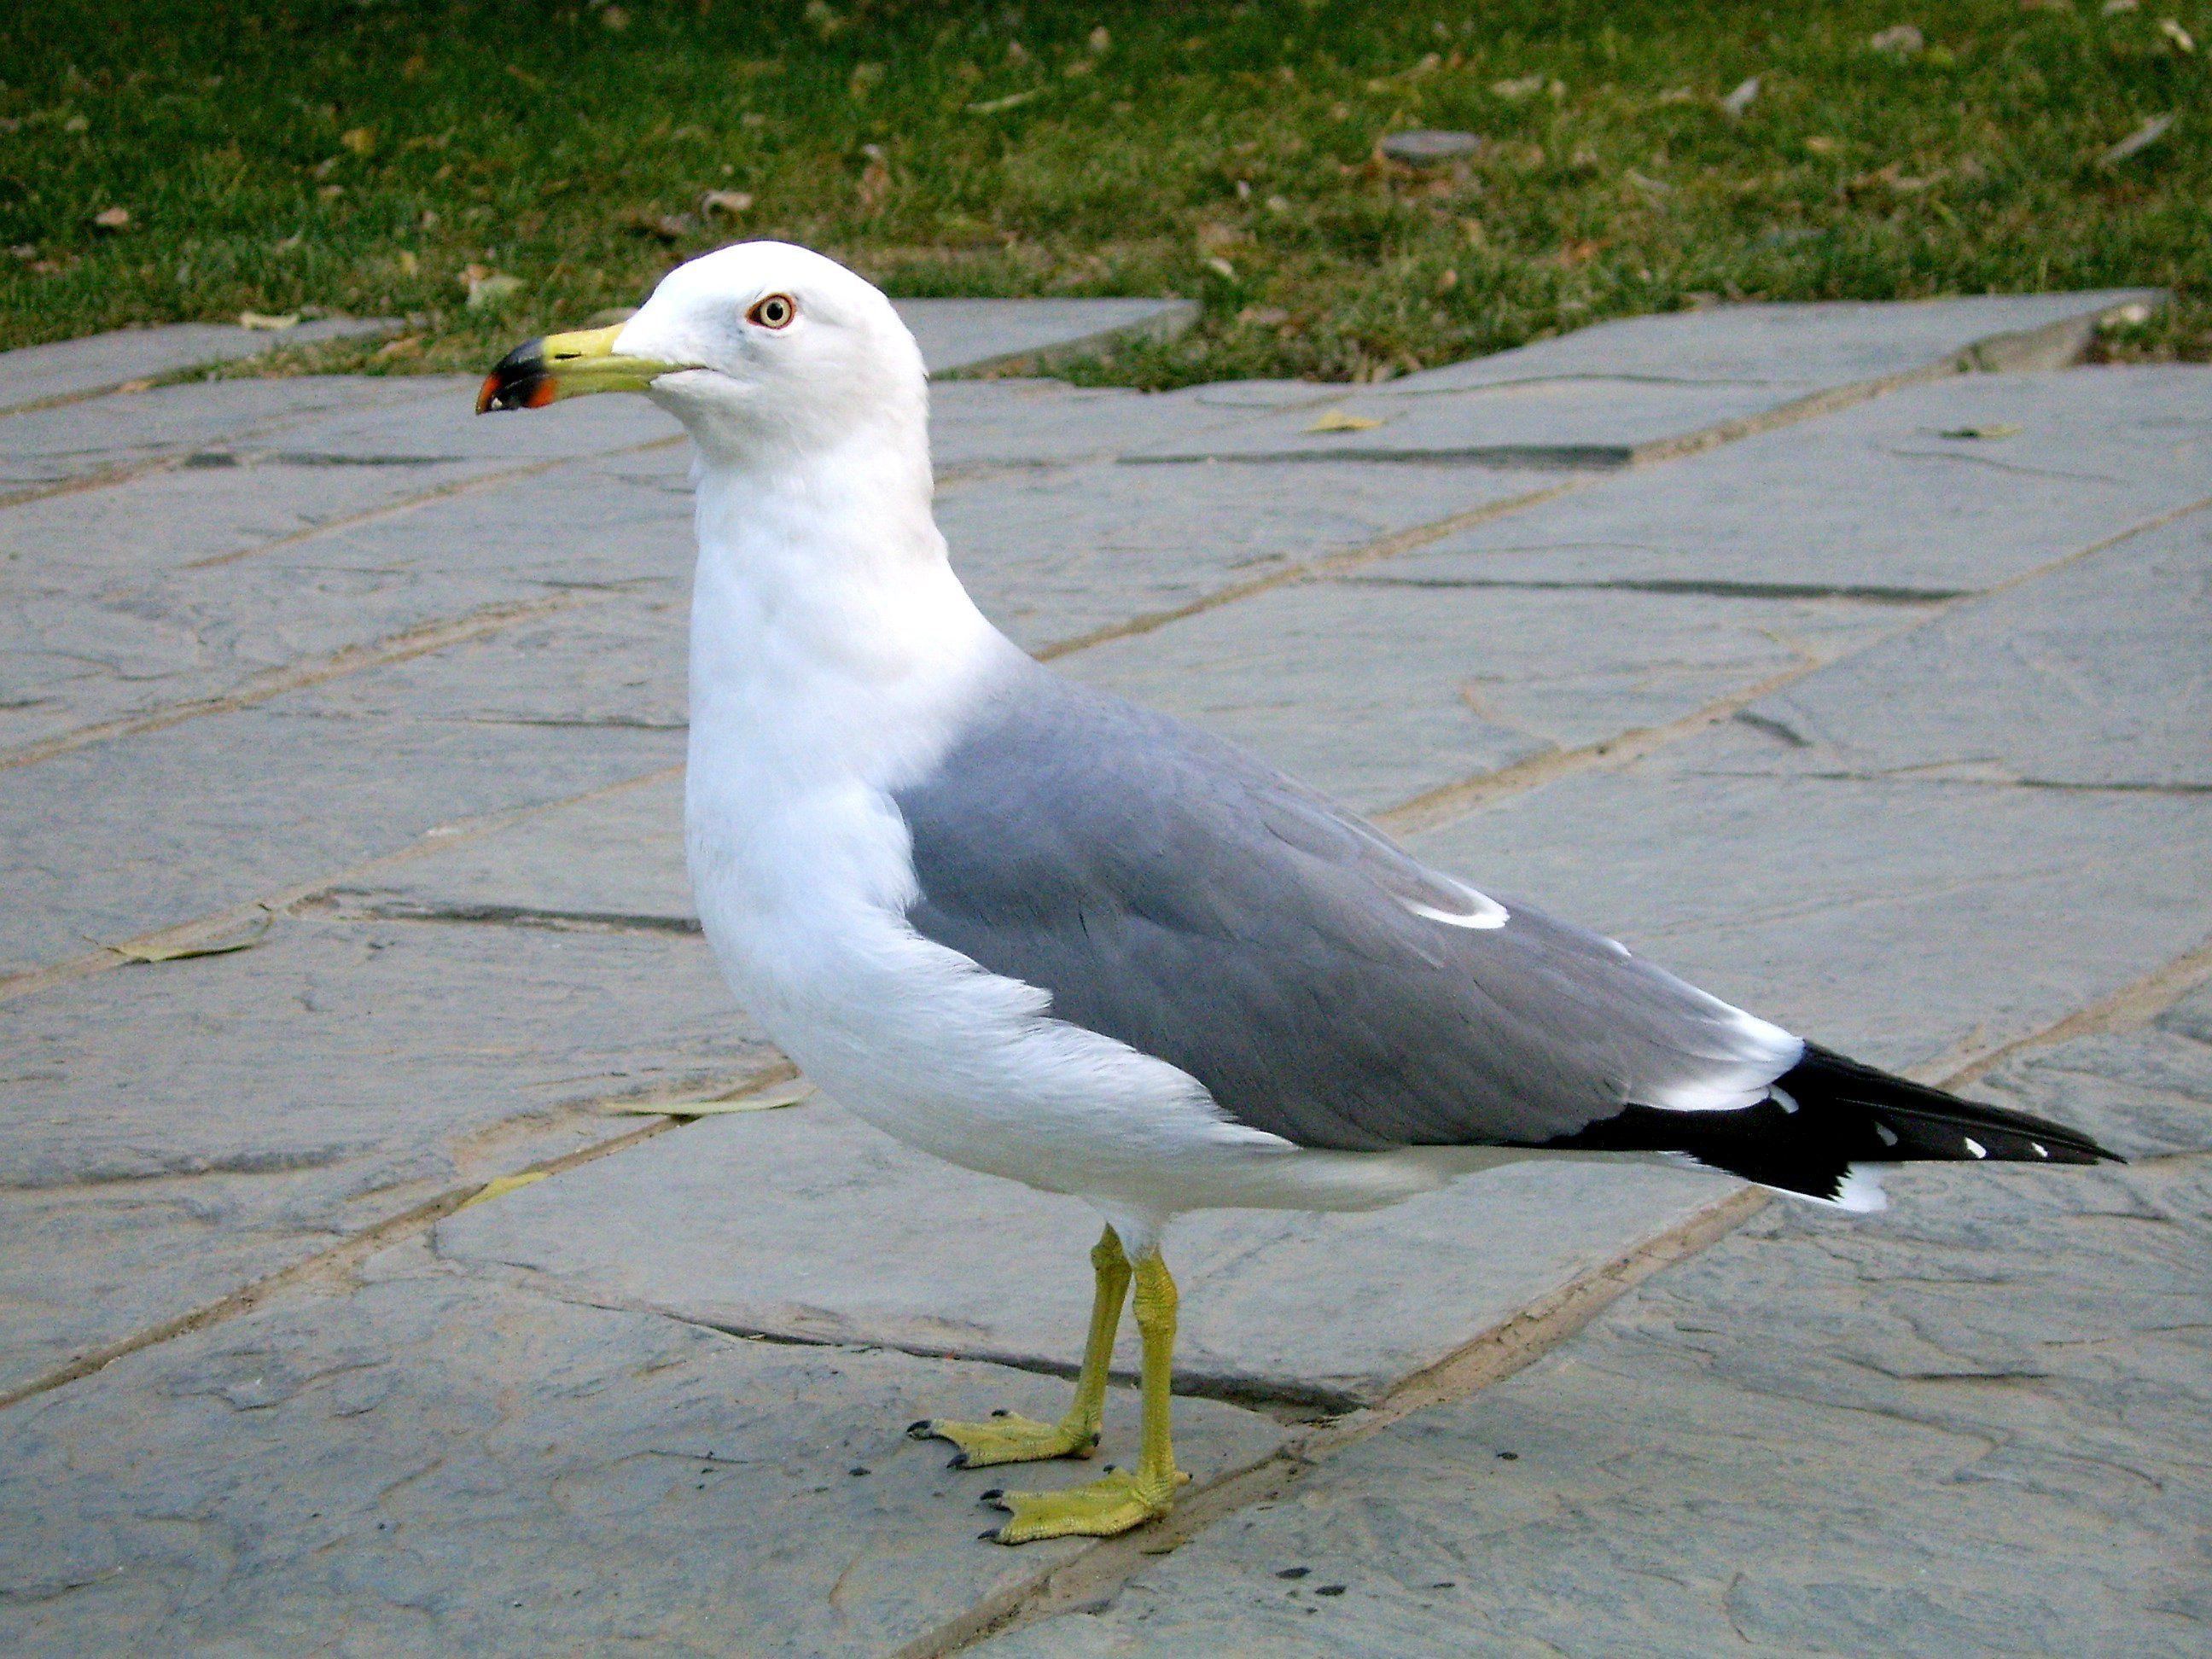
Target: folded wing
[(1177, 895)]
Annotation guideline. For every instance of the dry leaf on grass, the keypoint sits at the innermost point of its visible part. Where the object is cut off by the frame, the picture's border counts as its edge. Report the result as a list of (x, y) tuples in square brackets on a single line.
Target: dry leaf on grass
[(1736, 102), (2141, 139), (265, 322), (1011, 100), (489, 290)]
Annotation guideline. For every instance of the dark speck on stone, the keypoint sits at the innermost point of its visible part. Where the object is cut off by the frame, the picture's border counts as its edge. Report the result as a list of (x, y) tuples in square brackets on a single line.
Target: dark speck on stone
[(1328, 1589), (1445, 1583), (858, 1468), (1424, 146), (1509, 1457), (1292, 1572)]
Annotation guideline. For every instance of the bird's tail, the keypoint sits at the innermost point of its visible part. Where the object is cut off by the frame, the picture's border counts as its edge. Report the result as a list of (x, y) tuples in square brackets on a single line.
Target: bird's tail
[(1827, 1119)]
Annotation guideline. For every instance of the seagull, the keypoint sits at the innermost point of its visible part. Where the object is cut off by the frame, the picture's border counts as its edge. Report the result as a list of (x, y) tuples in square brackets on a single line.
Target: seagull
[(1044, 932)]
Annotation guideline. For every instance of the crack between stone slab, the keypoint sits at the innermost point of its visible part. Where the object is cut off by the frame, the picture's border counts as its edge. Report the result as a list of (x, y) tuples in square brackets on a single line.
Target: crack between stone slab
[(1549, 458), (300, 674), (1995, 354), (185, 372), (339, 1259), (1373, 552), (2130, 1008), (1400, 389), (1450, 803), (339, 903), (458, 487), (168, 460), (1924, 776), (278, 1162), (1781, 731), (1286, 1402), (574, 722), (2002, 466), (1688, 587), (208, 928), (317, 458)]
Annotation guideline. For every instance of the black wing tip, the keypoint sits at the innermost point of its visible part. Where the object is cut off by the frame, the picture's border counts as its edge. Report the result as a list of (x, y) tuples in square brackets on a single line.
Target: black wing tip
[(1932, 1114), (1830, 1117)]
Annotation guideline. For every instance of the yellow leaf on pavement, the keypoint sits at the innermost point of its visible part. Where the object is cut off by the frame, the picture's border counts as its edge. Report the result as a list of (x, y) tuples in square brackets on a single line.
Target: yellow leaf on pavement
[(222, 947), (760, 1100), (502, 1185)]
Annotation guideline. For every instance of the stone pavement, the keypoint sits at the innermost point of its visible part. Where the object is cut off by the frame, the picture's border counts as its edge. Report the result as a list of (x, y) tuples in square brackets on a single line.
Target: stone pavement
[(1848, 659)]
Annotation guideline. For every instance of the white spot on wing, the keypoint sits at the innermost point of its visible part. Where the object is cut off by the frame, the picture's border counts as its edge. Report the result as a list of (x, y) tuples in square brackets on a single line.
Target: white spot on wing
[(1887, 1136), (1976, 1147), (1860, 1192), (2041, 1150), (1483, 910)]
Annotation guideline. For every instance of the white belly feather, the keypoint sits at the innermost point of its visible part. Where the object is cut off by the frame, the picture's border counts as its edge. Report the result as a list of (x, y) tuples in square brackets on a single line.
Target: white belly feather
[(804, 908)]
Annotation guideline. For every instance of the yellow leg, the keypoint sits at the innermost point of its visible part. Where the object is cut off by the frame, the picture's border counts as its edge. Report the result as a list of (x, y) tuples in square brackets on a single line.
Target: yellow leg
[(1007, 1438), (1123, 1498)]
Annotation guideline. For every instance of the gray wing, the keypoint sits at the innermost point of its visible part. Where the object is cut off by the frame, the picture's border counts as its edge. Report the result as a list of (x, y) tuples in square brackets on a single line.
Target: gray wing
[(1171, 892)]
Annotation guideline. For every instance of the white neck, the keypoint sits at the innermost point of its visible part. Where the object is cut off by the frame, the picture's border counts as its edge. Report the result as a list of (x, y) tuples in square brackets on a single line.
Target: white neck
[(829, 638)]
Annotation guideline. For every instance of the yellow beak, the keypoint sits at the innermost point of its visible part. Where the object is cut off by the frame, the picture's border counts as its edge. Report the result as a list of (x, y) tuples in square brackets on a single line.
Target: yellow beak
[(537, 371)]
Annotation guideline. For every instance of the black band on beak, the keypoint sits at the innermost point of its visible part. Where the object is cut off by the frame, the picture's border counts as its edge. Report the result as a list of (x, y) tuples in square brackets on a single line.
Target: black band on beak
[(522, 379)]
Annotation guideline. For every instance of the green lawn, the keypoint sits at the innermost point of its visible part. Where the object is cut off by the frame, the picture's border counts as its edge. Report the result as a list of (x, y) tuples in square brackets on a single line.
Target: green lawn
[(369, 157)]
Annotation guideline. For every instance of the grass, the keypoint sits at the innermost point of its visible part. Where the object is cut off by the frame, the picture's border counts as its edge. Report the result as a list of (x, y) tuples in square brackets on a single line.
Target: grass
[(371, 157)]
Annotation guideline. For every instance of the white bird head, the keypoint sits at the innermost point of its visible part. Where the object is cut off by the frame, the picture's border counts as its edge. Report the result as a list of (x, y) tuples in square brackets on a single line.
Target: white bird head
[(759, 348)]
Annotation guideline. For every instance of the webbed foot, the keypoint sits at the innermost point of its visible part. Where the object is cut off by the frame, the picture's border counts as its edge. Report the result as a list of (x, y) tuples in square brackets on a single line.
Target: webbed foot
[(1115, 1502), (1005, 1437)]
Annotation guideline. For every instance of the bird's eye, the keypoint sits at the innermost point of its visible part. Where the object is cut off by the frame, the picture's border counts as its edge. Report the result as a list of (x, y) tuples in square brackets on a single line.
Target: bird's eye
[(775, 311)]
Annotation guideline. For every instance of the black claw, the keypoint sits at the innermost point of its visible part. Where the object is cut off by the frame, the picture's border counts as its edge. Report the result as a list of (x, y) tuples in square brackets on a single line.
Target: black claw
[(959, 1460), (1111, 1467), (992, 1496), (919, 1429), (990, 1535)]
